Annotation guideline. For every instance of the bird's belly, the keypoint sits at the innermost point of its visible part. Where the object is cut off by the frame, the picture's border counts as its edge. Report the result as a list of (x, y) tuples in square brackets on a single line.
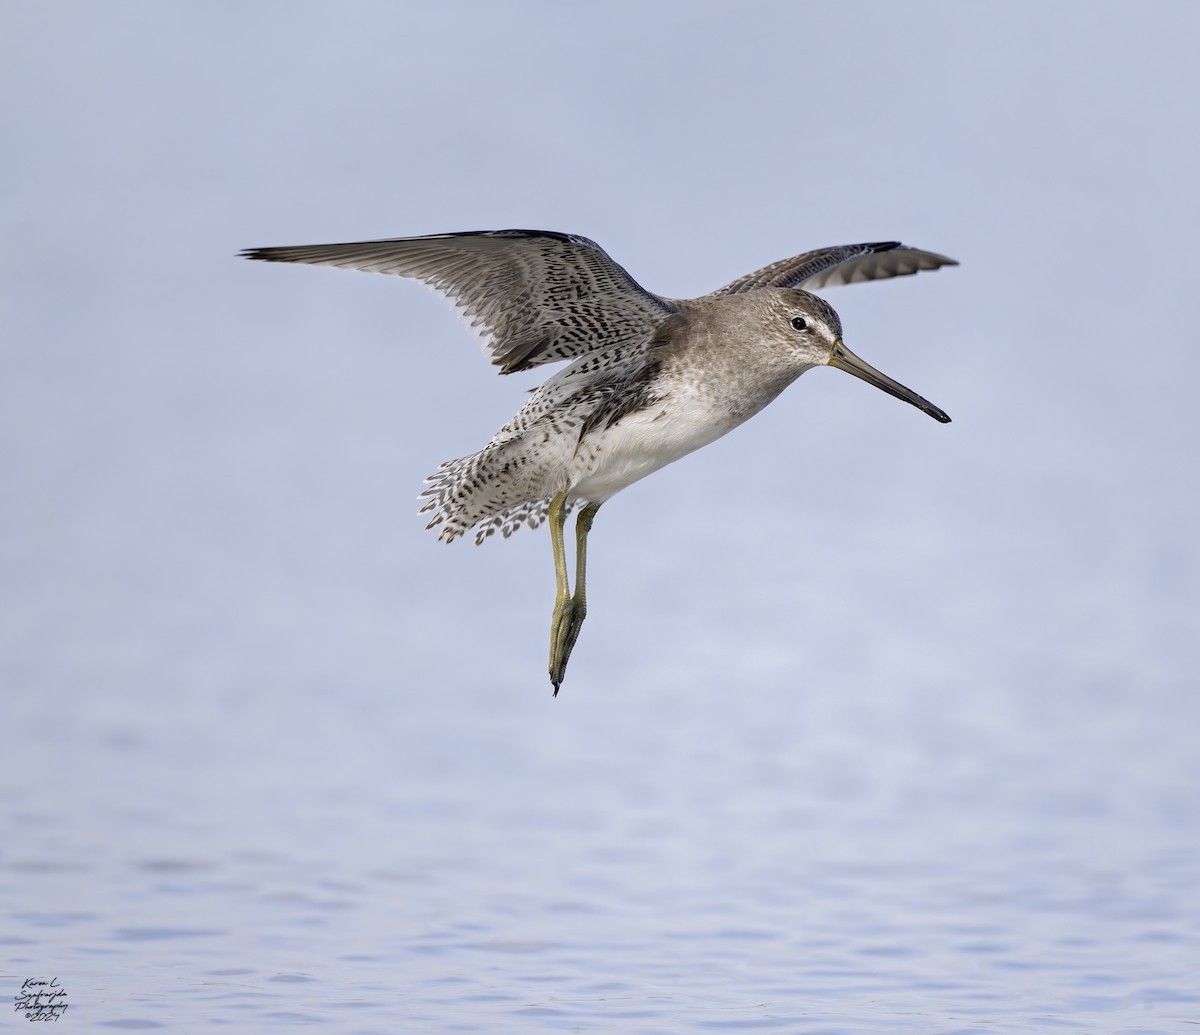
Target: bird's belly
[(641, 443)]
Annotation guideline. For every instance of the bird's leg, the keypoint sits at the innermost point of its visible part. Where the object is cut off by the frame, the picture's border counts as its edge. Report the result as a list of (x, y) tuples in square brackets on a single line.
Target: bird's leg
[(583, 525), (560, 621), (569, 612)]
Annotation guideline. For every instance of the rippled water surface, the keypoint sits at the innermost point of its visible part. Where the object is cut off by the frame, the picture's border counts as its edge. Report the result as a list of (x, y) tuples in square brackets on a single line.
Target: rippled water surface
[(676, 859)]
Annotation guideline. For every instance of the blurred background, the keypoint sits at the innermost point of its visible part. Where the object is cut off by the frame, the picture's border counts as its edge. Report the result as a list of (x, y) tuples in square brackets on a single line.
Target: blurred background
[(876, 724)]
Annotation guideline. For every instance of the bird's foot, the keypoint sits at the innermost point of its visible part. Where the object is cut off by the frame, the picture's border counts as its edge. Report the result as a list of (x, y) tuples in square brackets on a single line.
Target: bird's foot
[(564, 631)]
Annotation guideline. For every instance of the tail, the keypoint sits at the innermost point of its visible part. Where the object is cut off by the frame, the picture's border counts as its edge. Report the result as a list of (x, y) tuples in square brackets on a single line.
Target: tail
[(498, 489)]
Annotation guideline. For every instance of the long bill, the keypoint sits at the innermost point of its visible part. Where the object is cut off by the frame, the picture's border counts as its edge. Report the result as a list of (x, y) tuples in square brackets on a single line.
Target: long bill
[(846, 360)]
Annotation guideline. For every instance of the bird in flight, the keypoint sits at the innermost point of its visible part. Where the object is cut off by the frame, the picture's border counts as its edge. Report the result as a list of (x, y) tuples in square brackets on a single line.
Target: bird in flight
[(648, 379)]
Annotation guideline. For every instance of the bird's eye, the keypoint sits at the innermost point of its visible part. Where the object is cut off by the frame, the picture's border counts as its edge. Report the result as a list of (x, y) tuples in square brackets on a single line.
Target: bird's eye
[(800, 323)]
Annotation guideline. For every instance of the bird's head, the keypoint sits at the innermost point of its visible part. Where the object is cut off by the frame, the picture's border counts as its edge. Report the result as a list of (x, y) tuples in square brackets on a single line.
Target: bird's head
[(811, 330)]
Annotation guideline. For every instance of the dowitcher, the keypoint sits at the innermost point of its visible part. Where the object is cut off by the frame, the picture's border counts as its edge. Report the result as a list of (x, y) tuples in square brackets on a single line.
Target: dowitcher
[(649, 379)]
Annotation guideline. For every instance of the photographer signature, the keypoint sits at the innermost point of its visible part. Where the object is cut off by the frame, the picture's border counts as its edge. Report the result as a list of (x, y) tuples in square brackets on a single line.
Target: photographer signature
[(41, 1000)]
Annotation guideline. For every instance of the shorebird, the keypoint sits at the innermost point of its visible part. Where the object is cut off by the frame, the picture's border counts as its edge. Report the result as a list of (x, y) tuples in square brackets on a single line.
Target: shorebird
[(649, 378)]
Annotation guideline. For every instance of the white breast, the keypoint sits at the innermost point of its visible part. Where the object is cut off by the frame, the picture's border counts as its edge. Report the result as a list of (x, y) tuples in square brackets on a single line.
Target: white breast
[(609, 459)]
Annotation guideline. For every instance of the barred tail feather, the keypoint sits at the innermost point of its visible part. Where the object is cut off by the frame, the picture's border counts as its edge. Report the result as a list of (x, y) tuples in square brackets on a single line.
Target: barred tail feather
[(498, 489)]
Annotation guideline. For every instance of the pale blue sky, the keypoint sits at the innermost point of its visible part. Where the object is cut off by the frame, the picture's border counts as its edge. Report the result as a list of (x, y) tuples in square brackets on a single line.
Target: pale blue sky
[(1049, 148)]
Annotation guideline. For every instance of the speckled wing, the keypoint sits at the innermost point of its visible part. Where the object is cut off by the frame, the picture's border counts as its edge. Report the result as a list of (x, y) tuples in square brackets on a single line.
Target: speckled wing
[(540, 296), (844, 264)]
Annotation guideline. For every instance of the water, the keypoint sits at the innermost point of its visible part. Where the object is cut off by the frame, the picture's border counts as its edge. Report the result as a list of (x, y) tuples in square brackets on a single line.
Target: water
[(663, 858)]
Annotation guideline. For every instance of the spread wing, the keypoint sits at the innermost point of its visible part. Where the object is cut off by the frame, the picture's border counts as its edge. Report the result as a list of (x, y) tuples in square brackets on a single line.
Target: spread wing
[(540, 296), (844, 264)]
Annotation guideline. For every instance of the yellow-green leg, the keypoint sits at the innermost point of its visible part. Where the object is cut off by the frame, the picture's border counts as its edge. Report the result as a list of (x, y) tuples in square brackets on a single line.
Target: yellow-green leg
[(569, 611)]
